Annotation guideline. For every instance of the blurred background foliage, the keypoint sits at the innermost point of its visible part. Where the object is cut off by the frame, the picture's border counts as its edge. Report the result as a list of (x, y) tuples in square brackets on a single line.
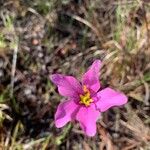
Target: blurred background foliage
[(40, 37)]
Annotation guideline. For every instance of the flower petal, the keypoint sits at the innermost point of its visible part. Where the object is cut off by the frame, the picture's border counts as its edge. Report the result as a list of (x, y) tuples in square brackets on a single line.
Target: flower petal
[(91, 77), (65, 113), (108, 98), (67, 85), (87, 117)]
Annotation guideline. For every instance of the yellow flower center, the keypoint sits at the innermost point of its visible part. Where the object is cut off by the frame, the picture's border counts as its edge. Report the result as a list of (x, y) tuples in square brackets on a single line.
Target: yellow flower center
[(85, 98)]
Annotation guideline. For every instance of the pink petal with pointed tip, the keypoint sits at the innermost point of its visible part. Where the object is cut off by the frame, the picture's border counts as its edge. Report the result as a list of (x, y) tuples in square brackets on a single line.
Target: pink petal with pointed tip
[(87, 117), (108, 98), (65, 112), (91, 77), (67, 85)]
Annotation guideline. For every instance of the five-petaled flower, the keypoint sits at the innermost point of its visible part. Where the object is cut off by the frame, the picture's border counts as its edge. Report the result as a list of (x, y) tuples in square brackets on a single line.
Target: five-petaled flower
[(84, 100)]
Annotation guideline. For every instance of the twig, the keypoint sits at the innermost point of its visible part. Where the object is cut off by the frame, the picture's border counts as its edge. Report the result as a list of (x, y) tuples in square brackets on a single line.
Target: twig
[(147, 24), (147, 91), (32, 143), (145, 137), (87, 23), (131, 85), (14, 61)]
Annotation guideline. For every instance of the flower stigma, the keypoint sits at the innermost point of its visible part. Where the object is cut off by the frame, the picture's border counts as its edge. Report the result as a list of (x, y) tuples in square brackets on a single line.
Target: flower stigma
[(85, 99)]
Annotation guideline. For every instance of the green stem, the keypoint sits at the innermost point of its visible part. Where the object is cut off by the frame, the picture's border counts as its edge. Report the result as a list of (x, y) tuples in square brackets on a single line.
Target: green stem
[(60, 138)]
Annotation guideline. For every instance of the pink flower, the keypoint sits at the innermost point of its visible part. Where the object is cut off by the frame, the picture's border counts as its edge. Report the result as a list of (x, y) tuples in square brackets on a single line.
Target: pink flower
[(84, 100)]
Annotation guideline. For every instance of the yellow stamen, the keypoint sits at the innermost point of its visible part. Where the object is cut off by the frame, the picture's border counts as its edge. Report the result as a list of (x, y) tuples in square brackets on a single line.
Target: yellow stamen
[(85, 99)]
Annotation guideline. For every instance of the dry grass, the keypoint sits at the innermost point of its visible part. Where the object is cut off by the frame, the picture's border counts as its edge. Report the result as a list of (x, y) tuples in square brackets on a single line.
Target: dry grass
[(38, 38)]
